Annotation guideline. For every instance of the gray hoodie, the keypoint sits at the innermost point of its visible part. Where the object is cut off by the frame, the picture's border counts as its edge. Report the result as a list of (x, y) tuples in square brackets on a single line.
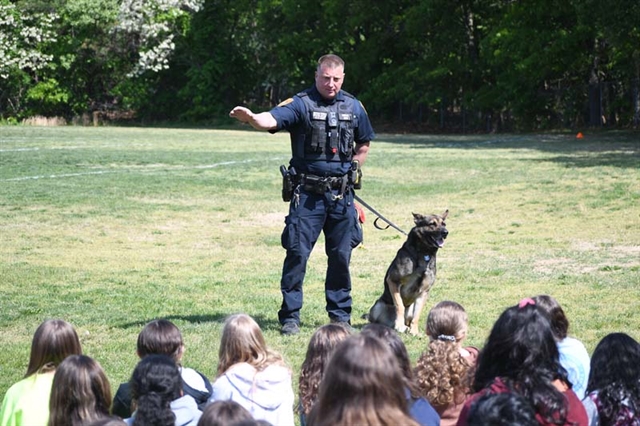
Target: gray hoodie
[(267, 394)]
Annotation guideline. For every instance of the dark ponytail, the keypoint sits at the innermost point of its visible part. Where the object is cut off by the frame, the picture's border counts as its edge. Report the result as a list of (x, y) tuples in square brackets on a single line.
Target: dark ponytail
[(154, 384)]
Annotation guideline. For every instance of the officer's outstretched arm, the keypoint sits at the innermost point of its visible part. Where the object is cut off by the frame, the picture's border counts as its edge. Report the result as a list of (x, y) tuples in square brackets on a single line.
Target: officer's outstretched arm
[(262, 121)]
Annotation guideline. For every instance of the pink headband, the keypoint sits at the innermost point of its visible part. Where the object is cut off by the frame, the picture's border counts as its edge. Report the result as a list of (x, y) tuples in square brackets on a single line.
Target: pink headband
[(526, 301)]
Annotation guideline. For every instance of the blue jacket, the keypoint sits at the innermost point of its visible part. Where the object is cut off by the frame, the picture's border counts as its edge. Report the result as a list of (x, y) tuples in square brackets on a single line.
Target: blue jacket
[(422, 411)]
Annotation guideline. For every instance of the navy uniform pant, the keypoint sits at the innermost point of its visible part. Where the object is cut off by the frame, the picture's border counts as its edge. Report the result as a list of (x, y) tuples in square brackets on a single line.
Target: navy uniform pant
[(310, 214)]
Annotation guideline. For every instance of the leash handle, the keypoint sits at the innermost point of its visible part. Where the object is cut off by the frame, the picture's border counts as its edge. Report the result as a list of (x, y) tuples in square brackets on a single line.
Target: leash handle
[(375, 223), (379, 216)]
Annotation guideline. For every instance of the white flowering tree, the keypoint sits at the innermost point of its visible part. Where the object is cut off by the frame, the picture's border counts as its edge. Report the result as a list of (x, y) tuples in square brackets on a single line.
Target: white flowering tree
[(148, 28), (61, 57), (22, 42)]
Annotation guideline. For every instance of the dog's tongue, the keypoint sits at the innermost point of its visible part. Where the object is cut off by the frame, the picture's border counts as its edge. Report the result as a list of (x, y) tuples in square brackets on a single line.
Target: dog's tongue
[(440, 242)]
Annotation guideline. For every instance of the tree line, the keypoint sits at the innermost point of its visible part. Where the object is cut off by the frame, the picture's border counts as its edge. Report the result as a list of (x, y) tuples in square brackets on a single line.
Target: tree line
[(452, 65)]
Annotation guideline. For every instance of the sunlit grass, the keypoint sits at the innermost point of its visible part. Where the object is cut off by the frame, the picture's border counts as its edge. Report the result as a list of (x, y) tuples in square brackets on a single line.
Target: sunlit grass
[(112, 227)]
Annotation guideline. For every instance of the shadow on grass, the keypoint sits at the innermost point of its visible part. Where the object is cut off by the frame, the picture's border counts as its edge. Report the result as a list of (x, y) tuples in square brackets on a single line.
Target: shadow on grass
[(265, 323), (616, 149)]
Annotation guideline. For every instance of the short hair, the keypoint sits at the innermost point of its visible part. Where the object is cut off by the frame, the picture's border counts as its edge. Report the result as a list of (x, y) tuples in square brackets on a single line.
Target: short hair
[(331, 61), (501, 409), (242, 341), (80, 392), (559, 321), (155, 382), (160, 337), (320, 348), (53, 341), (223, 413)]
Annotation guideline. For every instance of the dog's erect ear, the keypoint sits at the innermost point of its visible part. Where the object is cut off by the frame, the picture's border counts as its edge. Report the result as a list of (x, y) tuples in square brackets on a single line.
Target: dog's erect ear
[(417, 218), (445, 214)]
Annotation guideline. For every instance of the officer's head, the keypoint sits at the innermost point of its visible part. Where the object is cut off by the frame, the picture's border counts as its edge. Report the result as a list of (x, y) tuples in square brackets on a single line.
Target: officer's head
[(329, 76)]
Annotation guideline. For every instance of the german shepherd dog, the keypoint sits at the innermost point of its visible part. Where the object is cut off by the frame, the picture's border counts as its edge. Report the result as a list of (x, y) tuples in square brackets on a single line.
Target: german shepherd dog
[(411, 275)]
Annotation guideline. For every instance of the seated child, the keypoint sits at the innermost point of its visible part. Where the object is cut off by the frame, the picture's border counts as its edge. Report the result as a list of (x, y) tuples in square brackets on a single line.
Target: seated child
[(162, 337), (252, 374), (321, 346), (443, 370), (156, 389), (27, 401), (81, 392)]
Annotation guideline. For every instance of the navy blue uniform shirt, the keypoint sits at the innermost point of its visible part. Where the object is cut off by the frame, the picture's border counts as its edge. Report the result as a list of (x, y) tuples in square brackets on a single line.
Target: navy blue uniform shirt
[(292, 115)]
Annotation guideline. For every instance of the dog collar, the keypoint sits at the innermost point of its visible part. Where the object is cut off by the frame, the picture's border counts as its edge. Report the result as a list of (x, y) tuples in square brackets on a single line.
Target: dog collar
[(427, 258)]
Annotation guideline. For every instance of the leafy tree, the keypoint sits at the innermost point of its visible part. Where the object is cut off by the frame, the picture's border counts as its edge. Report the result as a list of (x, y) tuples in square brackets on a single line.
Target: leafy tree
[(23, 39)]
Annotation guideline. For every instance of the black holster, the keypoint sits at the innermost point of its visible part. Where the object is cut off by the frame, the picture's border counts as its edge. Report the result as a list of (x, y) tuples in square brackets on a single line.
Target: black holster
[(287, 182)]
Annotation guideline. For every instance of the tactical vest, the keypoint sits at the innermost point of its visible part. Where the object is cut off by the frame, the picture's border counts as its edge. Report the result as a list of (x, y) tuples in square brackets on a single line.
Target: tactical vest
[(331, 135)]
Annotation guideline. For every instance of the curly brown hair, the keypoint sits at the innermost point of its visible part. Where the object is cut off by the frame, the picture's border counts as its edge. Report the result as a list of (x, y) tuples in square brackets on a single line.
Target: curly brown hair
[(442, 373), (321, 346)]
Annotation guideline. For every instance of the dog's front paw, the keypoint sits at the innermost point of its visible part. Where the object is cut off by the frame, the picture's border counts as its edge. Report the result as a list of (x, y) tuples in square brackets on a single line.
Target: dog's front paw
[(414, 331), (401, 328)]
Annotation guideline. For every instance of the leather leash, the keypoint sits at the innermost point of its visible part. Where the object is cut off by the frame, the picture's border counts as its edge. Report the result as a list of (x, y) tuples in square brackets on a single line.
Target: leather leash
[(380, 217)]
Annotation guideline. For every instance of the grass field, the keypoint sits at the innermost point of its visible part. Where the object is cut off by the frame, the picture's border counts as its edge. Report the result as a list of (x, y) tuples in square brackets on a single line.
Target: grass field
[(109, 228)]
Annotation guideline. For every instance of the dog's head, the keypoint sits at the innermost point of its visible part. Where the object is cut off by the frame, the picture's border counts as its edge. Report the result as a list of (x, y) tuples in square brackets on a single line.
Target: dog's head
[(431, 230)]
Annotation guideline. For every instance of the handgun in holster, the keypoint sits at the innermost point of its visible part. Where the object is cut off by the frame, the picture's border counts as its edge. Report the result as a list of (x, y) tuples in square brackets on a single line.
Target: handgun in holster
[(356, 174), (287, 182)]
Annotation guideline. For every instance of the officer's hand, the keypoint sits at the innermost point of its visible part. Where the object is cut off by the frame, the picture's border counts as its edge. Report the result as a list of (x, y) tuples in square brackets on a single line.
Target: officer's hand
[(241, 113)]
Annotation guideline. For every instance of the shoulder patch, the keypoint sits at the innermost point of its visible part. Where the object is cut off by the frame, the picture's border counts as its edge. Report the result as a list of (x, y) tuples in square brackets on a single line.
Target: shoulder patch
[(285, 102)]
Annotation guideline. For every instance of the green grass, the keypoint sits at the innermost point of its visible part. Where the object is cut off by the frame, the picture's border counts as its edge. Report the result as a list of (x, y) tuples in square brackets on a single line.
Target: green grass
[(109, 228)]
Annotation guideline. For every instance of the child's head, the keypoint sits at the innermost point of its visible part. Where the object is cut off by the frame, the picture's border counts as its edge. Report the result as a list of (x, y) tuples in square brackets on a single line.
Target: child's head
[(242, 341), (442, 373), (80, 392), (395, 343), (223, 413), (321, 345), (448, 322), (160, 337), (502, 409), (53, 341), (616, 359), (553, 310), (522, 352), (155, 382), (521, 344), (363, 384)]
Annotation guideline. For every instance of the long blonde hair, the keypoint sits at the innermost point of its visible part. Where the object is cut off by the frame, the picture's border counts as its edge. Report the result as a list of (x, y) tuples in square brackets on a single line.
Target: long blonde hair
[(441, 372), (242, 341), (363, 385)]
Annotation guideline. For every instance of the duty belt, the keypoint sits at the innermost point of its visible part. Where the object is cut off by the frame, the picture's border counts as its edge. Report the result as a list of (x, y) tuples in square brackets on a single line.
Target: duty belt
[(322, 184), (333, 182)]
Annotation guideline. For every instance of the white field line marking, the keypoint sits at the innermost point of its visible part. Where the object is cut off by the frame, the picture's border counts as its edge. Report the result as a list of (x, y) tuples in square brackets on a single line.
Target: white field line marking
[(72, 147), (139, 169)]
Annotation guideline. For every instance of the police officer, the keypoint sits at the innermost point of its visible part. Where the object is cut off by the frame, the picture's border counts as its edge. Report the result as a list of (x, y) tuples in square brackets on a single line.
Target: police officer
[(329, 130)]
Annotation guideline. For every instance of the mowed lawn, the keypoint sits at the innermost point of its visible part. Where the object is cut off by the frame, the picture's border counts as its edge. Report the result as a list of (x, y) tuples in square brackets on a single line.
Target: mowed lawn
[(110, 227)]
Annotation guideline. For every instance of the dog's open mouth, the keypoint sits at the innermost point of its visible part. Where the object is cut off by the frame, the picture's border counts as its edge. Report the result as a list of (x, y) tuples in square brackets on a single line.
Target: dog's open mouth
[(440, 242)]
